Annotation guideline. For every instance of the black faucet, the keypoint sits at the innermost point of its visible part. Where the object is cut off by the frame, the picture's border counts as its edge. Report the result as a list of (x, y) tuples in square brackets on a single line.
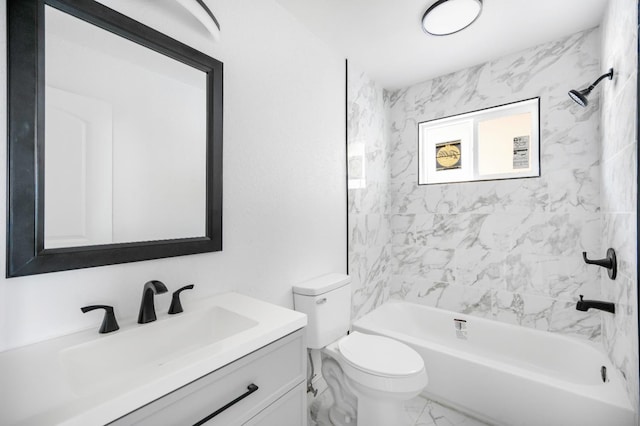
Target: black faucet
[(147, 308), (585, 305)]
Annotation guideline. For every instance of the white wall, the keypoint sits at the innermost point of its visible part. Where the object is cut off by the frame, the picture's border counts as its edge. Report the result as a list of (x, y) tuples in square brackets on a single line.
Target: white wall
[(284, 177)]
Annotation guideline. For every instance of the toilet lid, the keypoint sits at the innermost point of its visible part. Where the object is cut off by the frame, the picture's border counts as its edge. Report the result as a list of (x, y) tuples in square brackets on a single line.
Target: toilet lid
[(380, 355)]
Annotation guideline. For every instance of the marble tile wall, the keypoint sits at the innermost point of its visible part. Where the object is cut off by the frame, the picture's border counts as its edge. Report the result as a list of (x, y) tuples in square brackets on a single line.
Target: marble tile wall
[(368, 195), (507, 250), (619, 185)]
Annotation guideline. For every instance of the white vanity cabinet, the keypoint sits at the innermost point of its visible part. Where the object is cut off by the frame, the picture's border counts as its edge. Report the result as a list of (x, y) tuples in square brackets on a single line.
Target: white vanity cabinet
[(278, 370)]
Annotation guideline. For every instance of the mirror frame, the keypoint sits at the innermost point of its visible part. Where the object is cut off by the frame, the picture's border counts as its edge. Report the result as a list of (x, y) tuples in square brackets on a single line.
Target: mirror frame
[(26, 254)]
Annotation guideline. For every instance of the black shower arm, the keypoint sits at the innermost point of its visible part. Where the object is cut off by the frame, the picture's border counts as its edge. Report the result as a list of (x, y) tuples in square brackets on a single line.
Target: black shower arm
[(602, 77)]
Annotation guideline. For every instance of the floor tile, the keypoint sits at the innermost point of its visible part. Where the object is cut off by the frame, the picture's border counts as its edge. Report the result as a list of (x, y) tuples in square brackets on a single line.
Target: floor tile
[(420, 410), (415, 408)]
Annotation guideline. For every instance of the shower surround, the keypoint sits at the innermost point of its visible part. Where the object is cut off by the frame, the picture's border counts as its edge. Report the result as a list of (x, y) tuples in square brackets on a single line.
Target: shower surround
[(507, 250)]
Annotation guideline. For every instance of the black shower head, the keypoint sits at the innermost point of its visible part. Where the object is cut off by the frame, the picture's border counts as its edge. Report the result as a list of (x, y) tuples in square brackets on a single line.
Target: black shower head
[(580, 96)]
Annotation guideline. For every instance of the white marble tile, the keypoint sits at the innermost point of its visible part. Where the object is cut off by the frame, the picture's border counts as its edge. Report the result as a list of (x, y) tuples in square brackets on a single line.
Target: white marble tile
[(440, 415), (369, 297), (617, 118), (370, 258), (618, 175), (366, 110), (557, 234), (370, 272), (569, 147), (415, 408), (450, 91), (619, 186), (419, 411), (368, 230), (458, 298), (535, 70), (479, 267), (619, 232), (371, 199), (619, 47), (403, 144), (511, 195), (429, 263), (409, 229), (445, 231), (549, 314), (409, 197), (497, 230), (574, 190), (565, 277), (559, 277)]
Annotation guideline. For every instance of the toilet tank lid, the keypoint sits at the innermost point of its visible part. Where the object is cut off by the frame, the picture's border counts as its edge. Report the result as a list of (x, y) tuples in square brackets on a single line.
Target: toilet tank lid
[(321, 284)]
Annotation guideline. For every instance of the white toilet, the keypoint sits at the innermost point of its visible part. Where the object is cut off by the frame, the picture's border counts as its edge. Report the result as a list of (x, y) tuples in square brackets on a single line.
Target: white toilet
[(370, 376)]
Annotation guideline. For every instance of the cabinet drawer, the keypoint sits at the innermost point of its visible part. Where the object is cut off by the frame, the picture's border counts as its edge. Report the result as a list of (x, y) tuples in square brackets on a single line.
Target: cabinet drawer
[(274, 369), (289, 410)]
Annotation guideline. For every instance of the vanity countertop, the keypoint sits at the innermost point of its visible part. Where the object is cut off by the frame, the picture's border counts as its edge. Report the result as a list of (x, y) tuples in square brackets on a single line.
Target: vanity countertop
[(39, 386)]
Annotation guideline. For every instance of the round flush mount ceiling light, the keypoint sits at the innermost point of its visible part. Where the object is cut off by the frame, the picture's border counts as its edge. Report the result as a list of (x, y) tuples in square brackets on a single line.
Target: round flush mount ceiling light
[(446, 17)]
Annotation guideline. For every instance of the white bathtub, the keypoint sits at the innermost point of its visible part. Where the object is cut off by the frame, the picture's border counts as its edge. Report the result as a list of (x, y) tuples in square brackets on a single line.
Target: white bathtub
[(506, 374)]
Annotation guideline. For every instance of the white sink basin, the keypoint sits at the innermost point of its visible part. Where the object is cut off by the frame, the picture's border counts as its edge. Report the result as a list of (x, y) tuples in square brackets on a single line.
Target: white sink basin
[(86, 378), (134, 354)]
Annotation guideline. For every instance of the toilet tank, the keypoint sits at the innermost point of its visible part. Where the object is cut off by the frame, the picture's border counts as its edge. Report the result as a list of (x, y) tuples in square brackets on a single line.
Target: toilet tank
[(327, 302)]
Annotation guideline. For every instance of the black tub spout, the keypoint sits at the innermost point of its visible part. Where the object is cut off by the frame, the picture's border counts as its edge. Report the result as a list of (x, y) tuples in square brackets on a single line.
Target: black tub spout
[(585, 305)]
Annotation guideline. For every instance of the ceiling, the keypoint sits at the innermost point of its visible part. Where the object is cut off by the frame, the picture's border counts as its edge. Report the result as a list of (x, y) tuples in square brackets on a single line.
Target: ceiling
[(385, 39)]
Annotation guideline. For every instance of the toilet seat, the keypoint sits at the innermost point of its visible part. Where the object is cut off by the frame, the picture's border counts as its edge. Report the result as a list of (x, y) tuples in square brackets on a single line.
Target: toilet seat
[(379, 355)]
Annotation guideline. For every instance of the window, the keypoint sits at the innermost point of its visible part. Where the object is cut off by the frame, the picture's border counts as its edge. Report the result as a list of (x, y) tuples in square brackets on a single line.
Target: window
[(501, 142)]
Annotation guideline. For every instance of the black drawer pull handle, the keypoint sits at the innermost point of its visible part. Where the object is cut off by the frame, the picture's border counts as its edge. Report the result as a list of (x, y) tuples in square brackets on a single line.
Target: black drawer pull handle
[(250, 389)]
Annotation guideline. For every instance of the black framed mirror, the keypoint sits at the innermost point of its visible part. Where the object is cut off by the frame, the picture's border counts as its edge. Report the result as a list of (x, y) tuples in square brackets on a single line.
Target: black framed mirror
[(159, 144)]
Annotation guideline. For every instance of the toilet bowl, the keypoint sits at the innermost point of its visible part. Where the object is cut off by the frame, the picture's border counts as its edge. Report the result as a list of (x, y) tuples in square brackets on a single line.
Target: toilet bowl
[(369, 376), (382, 373)]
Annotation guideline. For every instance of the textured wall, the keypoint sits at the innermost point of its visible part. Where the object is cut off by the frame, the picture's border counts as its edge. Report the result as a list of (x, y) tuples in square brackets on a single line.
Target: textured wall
[(619, 185), (369, 231), (507, 250)]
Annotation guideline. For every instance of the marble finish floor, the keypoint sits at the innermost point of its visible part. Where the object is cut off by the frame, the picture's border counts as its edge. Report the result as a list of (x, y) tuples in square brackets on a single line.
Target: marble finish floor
[(420, 411)]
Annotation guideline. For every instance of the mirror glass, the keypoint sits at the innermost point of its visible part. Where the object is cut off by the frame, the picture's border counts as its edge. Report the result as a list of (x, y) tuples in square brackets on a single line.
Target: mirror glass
[(501, 142), (126, 139)]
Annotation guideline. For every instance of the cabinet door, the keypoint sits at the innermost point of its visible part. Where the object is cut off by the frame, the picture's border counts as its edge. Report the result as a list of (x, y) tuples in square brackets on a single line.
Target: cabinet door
[(289, 410), (274, 369)]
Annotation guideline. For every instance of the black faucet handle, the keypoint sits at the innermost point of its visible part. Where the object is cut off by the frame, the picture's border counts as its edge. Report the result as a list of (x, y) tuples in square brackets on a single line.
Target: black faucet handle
[(581, 296), (176, 305), (608, 262), (109, 322)]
